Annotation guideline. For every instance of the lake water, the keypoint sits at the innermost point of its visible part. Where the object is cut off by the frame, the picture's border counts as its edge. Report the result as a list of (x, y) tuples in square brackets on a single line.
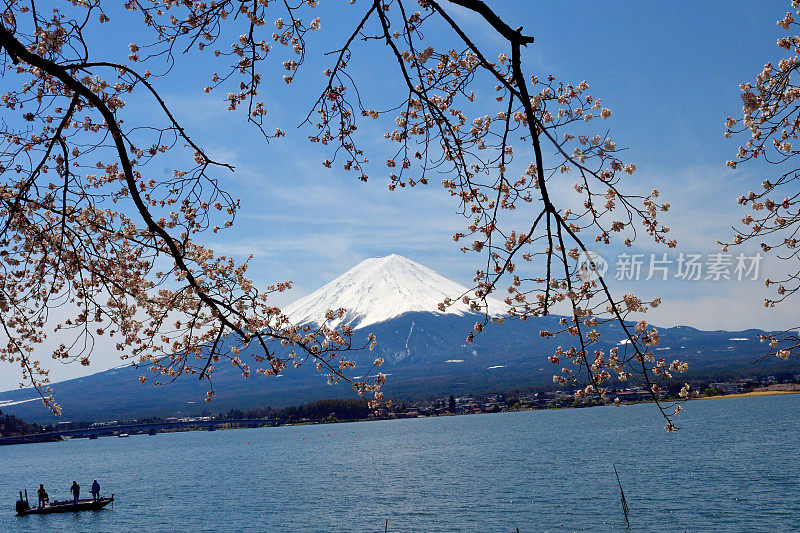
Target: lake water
[(733, 466)]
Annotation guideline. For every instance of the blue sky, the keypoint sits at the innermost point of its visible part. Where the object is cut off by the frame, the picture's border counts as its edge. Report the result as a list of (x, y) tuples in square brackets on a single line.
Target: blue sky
[(669, 74), (669, 71)]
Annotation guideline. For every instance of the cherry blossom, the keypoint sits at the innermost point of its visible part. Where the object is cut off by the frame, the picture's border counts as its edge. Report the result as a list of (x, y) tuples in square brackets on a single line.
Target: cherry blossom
[(768, 127)]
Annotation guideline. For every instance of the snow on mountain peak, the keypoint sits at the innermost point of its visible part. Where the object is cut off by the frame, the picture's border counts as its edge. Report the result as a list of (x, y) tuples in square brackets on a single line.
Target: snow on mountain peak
[(381, 288)]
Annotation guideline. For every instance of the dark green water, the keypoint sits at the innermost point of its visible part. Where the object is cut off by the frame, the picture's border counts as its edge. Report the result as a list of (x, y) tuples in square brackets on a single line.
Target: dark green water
[(733, 467)]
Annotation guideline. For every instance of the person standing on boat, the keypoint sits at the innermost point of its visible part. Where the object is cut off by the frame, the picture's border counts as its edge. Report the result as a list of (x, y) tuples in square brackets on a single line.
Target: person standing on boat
[(95, 490), (42, 495), (75, 490)]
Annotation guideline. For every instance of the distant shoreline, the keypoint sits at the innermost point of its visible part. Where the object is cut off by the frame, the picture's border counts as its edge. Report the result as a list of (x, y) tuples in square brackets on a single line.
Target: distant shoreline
[(750, 394), (153, 427)]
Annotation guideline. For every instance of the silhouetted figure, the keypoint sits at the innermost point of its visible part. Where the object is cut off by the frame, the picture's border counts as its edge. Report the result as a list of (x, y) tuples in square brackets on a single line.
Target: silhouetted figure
[(43, 499), (75, 489), (95, 490)]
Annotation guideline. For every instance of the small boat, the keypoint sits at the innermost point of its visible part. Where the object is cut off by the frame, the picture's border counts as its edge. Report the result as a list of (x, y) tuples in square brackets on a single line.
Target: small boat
[(67, 506), (123, 435)]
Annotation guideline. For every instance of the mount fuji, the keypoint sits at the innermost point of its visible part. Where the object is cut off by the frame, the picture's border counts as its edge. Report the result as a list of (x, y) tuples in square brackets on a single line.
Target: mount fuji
[(425, 352), (383, 288)]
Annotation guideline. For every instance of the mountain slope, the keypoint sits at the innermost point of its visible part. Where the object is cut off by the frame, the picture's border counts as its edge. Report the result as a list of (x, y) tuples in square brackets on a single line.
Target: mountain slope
[(426, 354)]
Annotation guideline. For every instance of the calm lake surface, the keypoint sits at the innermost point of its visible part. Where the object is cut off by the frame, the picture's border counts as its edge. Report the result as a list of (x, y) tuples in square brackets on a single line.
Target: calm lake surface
[(733, 466)]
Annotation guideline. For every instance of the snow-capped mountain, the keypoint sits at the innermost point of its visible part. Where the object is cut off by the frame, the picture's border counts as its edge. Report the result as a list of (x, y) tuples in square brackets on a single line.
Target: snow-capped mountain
[(382, 288), (425, 353)]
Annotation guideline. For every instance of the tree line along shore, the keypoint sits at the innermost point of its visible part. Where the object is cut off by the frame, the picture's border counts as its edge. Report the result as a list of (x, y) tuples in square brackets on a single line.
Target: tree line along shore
[(354, 409)]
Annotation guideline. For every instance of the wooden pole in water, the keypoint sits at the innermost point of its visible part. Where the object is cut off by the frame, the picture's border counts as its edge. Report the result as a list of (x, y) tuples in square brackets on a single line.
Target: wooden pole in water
[(622, 492), (387, 526)]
